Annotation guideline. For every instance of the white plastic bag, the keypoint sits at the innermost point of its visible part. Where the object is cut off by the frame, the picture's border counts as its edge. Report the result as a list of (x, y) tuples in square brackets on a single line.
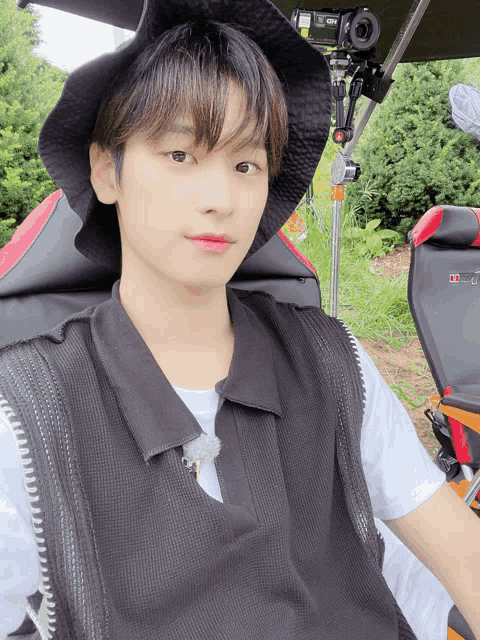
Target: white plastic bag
[(465, 101)]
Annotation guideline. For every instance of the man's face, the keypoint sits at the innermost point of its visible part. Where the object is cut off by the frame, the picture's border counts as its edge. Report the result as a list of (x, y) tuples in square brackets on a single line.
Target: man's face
[(172, 191)]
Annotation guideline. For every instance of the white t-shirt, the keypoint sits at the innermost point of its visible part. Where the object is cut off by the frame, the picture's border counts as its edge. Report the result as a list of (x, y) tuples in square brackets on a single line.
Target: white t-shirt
[(399, 472)]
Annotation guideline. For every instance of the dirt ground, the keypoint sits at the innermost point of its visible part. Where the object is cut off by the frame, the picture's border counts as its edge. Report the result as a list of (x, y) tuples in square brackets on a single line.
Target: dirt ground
[(406, 367)]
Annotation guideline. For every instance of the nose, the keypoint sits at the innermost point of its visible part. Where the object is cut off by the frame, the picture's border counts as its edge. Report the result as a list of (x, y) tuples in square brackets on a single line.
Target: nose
[(217, 189)]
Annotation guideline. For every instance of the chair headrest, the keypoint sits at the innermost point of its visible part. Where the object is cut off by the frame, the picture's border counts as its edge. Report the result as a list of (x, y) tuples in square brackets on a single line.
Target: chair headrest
[(41, 256), (448, 226)]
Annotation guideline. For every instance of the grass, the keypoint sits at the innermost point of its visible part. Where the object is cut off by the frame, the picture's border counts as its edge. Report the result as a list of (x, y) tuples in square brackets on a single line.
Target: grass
[(405, 391), (372, 306)]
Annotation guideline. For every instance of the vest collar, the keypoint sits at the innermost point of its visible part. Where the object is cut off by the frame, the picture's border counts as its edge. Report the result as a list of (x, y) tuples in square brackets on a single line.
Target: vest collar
[(157, 417)]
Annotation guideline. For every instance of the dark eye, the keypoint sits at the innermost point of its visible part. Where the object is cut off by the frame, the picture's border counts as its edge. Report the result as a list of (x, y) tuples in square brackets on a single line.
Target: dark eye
[(246, 164), (177, 156)]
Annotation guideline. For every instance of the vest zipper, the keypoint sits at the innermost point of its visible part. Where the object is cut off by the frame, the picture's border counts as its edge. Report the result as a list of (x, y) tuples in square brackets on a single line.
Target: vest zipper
[(364, 401), (357, 356), (36, 520)]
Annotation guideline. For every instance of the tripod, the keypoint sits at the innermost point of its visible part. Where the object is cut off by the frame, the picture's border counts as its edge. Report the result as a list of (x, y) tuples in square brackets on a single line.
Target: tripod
[(307, 206)]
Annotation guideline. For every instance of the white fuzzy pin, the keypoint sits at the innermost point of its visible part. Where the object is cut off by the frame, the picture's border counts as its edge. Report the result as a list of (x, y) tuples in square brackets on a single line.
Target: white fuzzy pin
[(205, 448)]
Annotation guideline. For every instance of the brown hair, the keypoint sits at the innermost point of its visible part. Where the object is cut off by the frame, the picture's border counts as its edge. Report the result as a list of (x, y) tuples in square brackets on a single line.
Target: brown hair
[(188, 70)]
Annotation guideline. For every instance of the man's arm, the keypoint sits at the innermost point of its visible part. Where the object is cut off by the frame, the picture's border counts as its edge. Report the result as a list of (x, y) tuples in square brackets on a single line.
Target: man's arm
[(444, 534)]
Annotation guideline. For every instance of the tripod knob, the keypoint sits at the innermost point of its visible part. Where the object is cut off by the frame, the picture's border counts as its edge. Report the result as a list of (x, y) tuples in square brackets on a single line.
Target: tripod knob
[(341, 135), (344, 170)]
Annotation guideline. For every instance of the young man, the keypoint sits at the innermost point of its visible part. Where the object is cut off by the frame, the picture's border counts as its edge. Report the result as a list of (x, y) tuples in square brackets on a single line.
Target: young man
[(187, 137), (173, 287)]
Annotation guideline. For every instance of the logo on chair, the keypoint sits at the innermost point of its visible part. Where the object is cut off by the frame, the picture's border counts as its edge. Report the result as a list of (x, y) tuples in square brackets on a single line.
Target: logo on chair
[(465, 277)]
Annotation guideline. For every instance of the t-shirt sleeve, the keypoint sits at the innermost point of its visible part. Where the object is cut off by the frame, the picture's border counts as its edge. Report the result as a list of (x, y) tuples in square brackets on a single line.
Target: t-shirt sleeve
[(399, 472), (19, 566)]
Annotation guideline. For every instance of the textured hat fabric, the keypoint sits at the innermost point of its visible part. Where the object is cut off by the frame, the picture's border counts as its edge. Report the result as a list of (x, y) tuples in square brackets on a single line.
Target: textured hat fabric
[(302, 70)]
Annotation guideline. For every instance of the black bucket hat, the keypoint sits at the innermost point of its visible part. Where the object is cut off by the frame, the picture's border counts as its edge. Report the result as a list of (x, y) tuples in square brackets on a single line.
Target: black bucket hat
[(302, 70)]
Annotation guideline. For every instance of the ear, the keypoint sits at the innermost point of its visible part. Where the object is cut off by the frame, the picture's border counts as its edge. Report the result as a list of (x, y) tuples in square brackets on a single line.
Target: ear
[(102, 175)]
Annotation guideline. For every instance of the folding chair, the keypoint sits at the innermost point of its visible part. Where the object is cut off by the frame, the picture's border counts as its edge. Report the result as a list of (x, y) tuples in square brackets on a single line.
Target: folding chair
[(444, 299)]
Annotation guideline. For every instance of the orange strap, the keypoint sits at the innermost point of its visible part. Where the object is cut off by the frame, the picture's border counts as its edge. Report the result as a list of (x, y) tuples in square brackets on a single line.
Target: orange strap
[(453, 635), (469, 419)]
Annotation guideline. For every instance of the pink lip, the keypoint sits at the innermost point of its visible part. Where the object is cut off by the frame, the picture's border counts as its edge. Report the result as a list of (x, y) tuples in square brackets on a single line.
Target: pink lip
[(214, 238), (209, 245)]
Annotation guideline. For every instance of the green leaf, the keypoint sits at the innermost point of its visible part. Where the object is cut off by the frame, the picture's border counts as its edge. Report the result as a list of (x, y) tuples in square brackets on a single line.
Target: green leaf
[(386, 233), (373, 224), (374, 244), (354, 232)]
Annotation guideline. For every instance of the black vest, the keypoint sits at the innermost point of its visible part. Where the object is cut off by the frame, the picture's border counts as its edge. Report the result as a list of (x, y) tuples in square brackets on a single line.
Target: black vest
[(132, 548)]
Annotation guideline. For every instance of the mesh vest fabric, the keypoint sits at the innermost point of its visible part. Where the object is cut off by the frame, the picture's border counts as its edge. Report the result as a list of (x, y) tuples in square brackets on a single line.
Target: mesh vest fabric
[(131, 548)]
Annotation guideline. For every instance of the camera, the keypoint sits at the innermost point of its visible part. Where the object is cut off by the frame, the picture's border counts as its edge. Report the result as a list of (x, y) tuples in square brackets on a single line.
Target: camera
[(351, 29)]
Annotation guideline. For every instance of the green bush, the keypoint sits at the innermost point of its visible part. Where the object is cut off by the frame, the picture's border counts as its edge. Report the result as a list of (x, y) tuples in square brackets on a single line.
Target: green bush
[(411, 153), (7, 229), (29, 89)]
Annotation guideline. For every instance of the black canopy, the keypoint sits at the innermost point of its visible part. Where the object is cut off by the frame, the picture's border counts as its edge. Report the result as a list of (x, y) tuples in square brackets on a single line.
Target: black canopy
[(449, 28)]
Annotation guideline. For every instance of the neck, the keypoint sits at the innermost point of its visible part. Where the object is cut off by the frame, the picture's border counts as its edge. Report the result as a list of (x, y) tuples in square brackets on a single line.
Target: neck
[(177, 315)]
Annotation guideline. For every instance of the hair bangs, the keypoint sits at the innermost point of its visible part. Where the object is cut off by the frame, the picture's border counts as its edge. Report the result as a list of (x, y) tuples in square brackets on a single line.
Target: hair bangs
[(197, 90), (186, 77)]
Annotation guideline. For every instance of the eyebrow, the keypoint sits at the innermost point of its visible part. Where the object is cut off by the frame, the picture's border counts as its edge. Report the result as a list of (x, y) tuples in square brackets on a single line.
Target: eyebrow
[(179, 128)]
